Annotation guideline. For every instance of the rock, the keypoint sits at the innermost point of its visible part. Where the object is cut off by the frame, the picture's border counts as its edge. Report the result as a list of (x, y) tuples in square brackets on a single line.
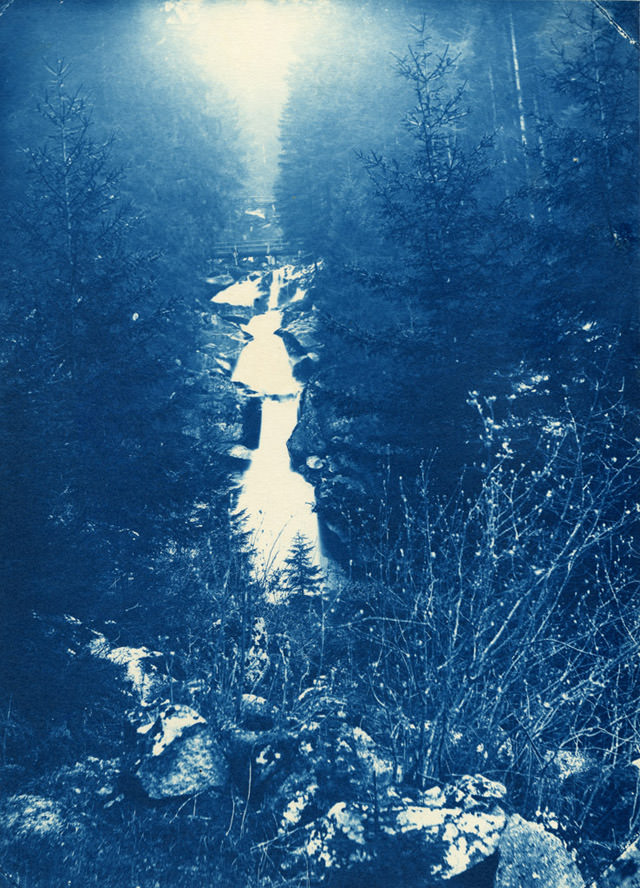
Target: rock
[(333, 792), (624, 872), (235, 413), (224, 340), (349, 449), (300, 333), (220, 281), (471, 791), (182, 756), (305, 368), (364, 761), (308, 436), (344, 760), (257, 758), (397, 838), (451, 829), (256, 713), (531, 857), (300, 806), (251, 420), (143, 669), (342, 838), (239, 315), (241, 453), (33, 817), (314, 463), (295, 349)]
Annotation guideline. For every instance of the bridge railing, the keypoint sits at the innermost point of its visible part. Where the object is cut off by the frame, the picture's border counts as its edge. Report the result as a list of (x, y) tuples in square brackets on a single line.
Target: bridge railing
[(258, 248)]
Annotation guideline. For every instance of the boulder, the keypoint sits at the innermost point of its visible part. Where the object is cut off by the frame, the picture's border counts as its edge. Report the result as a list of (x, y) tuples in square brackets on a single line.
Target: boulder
[(365, 764), (430, 838), (251, 420), (450, 830), (299, 330), (223, 339), (624, 872), (182, 755), (304, 369), (259, 760), (240, 453), (341, 839), (531, 857), (309, 436), (299, 340), (235, 413), (238, 315), (256, 714)]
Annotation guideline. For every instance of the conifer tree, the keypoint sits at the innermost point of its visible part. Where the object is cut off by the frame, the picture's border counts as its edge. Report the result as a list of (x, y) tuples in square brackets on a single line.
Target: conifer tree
[(302, 574)]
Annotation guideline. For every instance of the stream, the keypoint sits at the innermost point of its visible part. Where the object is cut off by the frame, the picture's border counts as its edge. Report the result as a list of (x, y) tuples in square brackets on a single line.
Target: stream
[(277, 502)]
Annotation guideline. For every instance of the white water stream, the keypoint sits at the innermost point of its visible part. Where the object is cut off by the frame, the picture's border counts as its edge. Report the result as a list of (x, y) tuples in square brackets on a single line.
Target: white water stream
[(277, 502)]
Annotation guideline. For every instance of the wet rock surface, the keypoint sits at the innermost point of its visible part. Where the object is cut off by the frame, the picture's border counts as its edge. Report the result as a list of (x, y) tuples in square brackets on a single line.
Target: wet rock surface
[(300, 333), (224, 338)]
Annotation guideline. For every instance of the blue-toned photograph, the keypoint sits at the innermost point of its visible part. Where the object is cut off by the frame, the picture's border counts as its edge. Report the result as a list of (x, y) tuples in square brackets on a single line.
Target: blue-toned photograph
[(319, 444)]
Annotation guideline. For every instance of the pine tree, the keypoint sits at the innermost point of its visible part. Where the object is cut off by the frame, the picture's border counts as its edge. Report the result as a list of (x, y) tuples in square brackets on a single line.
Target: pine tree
[(302, 574), (428, 193), (103, 431), (306, 606)]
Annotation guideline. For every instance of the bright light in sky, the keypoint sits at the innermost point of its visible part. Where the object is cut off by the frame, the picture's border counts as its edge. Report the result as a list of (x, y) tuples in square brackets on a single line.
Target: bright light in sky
[(247, 45)]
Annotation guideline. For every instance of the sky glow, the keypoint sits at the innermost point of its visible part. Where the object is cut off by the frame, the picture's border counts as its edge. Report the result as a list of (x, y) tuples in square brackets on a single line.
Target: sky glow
[(247, 45)]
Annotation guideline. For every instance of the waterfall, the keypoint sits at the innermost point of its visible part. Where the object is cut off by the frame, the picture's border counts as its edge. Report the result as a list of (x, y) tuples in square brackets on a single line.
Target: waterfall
[(276, 501)]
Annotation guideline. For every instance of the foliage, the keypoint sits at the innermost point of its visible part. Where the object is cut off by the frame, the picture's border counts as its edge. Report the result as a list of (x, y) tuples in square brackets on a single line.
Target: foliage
[(108, 446), (302, 576), (428, 198), (496, 630), (487, 619)]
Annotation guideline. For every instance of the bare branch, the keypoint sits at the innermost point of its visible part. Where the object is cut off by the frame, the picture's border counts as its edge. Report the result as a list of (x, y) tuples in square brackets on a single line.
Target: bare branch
[(623, 33)]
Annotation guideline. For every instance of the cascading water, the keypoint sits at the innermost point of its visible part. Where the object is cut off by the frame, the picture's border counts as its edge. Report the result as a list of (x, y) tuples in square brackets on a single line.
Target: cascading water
[(277, 502)]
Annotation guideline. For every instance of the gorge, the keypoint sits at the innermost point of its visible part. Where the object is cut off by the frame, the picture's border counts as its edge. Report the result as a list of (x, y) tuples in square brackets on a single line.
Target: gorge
[(276, 501)]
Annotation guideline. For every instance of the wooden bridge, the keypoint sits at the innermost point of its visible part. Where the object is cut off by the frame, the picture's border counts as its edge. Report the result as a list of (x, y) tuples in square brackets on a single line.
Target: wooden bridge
[(241, 249)]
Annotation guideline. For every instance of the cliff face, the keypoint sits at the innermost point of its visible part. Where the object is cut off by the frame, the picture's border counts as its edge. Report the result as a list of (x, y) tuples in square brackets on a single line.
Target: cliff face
[(343, 442)]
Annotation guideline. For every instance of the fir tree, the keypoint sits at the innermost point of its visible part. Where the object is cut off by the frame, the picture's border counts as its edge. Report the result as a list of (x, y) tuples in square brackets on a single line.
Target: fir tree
[(302, 574)]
